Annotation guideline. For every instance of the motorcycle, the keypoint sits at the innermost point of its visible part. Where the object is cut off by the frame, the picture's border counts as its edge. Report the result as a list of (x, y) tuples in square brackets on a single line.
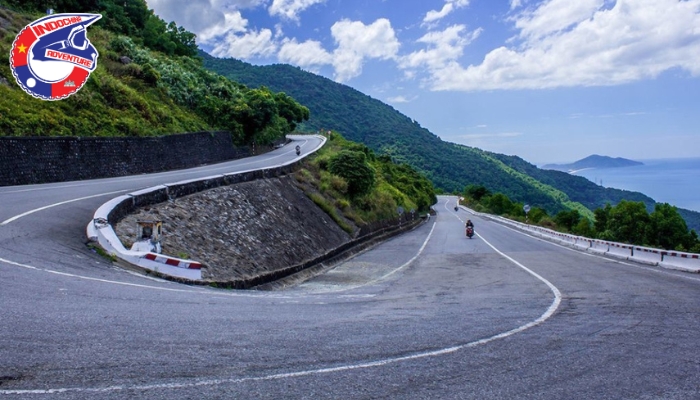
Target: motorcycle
[(298, 150), (470, 232), (456, 208)]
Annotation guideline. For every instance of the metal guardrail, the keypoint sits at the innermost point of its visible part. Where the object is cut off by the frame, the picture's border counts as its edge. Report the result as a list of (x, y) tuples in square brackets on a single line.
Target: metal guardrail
[(677, 260)]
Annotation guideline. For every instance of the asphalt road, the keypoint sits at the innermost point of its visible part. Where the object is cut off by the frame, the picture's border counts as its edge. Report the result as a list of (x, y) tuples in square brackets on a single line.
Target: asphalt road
[(430, 314)]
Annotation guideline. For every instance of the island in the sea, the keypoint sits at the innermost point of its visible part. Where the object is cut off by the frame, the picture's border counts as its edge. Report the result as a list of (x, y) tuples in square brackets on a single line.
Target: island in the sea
[(594, 161)]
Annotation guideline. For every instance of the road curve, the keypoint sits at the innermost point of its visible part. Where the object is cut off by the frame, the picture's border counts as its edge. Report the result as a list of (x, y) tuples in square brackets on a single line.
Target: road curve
[(429, 314)]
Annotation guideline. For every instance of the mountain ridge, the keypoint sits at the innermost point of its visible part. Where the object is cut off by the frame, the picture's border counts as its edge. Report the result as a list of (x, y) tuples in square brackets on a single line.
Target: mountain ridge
[(450, 166), (594, 161)]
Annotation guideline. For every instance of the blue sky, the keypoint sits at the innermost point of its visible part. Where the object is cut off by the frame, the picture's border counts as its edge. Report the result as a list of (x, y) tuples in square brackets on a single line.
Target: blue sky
[(549, 81)]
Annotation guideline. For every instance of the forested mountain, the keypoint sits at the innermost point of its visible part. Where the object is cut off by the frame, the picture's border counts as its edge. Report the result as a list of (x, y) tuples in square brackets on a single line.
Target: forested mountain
[(451, 167)]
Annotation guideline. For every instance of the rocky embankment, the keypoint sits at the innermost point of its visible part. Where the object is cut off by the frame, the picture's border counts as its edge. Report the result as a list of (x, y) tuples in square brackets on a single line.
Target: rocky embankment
[(241, 231)]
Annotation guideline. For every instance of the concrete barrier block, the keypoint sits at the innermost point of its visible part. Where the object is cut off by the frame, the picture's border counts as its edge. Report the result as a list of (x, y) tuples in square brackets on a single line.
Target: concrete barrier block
[(646, 256), (116, 209), (619, 250), (679, 265), (185, 188), (597, 251), (582, 244), (147, 197)]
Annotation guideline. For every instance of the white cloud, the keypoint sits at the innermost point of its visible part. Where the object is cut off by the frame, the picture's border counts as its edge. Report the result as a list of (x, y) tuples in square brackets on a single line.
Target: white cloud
[(515, 4), (193, 15), (199, 15), (490, 135), (450, 5), (357, 42), (434, 15), (291, 8), (443, 47), (233, 22), (554, 16), (566, 43), (248, 45), (401, 99), (309, 54)]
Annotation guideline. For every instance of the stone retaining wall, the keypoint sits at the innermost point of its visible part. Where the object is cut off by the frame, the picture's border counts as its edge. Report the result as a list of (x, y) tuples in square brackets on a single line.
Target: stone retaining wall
[(30, 160)]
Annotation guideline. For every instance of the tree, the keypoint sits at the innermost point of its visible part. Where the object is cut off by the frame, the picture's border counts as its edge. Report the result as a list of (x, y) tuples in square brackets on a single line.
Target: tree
[(601, 218), (667, 229), (500, 204), (583, 228), (476, 192), (567, 219), (536, 214), (291, 111), (257, 112), (628, 221), (353, 167)]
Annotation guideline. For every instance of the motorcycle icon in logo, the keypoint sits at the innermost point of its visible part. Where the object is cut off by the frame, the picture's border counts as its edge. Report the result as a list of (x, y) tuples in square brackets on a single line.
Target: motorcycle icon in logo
[(52, 57)]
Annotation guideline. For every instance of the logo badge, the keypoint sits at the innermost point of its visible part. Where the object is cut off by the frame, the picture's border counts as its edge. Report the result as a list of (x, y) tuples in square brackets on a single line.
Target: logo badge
[(52, 58)]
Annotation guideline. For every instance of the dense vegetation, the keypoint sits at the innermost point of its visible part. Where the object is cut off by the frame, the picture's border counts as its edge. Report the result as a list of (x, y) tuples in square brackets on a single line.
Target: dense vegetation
[(449, 166), (627, 222), (139, 88), (356, 187)]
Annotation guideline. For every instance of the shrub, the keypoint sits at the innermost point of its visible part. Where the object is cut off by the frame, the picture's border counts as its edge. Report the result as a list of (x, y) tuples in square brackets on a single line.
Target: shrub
[(150, 75), (353, 167)]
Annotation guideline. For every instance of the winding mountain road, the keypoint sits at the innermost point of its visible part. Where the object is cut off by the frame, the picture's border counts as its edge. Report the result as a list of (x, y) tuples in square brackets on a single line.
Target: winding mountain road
[(429, 314)]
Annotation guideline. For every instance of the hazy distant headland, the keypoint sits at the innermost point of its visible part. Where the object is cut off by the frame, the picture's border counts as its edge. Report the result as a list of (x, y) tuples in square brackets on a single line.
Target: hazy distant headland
[(594, 161)]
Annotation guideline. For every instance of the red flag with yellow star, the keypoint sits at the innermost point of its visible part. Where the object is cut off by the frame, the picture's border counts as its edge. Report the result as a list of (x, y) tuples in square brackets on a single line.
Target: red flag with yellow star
[(20, 48)]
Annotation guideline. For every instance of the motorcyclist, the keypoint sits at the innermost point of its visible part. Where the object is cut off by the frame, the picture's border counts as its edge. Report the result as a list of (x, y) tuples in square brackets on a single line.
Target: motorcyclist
[(298, 149), (470, 224)]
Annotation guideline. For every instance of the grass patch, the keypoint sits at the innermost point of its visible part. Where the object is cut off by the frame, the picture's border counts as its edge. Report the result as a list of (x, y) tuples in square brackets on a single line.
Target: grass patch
[(329, 209), (100, 251)]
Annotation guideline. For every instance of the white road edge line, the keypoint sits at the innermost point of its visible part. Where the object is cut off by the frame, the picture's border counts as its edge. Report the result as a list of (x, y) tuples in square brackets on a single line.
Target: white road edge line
[(16, 217), (215, 382), (388, 274), (137, 285)]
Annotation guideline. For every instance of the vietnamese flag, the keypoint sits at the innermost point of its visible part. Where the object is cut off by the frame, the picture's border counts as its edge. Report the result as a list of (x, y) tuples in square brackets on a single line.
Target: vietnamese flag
[(20, 48)]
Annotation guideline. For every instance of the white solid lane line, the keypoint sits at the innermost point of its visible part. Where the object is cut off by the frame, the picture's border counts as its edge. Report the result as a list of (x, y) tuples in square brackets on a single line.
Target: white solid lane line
[(16, 217), (141, 286)]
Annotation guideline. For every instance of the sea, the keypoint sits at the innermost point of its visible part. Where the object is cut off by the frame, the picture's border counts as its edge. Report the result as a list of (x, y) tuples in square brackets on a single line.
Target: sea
[(675, 181)]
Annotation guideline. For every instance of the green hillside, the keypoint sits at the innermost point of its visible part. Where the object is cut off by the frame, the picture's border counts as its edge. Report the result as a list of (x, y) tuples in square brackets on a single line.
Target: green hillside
[(451, 167), (149, 81)]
